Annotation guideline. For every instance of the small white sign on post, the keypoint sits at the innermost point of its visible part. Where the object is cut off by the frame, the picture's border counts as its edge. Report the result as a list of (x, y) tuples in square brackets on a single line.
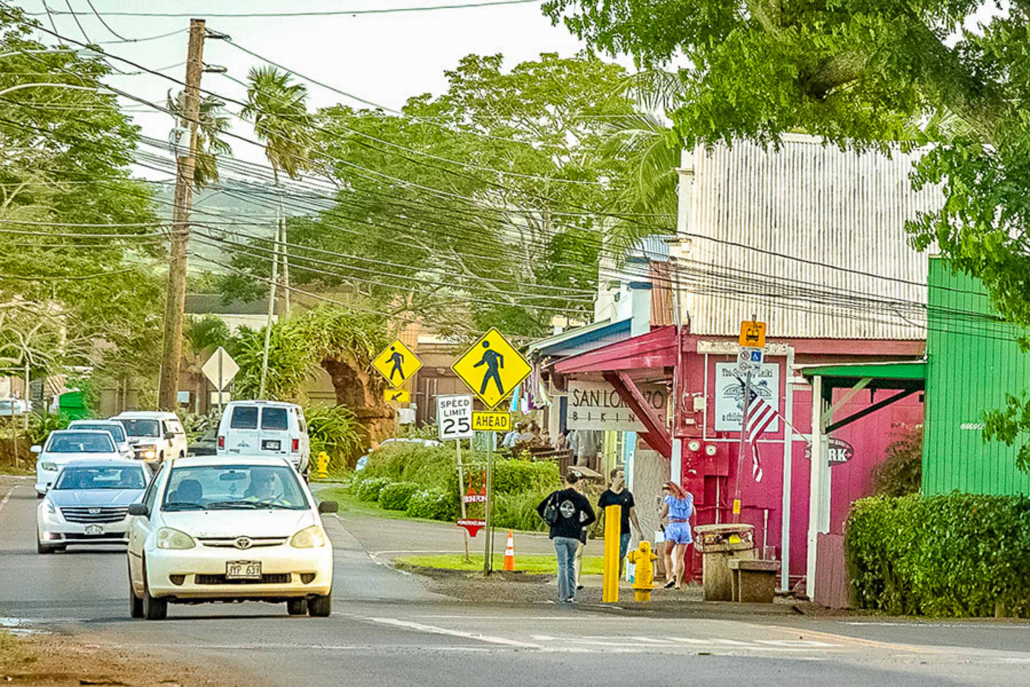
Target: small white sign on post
[(454, 417), (220, 369)]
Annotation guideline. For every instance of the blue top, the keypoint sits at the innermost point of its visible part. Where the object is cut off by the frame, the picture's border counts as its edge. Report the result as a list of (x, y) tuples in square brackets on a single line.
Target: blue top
[(680, 509)]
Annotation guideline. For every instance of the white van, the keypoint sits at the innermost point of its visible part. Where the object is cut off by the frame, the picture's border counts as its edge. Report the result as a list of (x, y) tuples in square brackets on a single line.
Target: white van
[(154, 435), (265, 428)]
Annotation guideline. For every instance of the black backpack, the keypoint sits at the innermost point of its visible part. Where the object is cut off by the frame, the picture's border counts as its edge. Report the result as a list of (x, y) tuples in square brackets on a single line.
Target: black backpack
[(551, 509)]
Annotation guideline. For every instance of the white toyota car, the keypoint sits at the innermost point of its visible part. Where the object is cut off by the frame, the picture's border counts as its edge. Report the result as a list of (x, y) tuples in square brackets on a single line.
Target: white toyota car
[(65, 445), (229, 529)]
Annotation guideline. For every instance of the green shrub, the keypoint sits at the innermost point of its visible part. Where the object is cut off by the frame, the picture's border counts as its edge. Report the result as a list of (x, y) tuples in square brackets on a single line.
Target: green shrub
[(902, 472), (952, 555), (369, 489), (335, 430), (514, 476), (518, 511), (433, 504), (395, 496)]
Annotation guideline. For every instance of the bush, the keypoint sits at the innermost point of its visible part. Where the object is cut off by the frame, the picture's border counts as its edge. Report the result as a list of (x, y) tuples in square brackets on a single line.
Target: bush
[(518, 511), (369, 489), (335, 430), (515, 476), (433, 504), (902, 472), (395, 496), (953, 555)]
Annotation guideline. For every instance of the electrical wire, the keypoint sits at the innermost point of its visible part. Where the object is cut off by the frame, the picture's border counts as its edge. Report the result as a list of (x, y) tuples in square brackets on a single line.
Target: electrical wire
[(75, 16), (106, 25), (83, 277)]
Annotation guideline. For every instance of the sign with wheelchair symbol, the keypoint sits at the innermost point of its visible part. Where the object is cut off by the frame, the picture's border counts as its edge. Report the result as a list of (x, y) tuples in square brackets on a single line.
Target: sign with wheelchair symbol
[(492, 368), (750, 359)]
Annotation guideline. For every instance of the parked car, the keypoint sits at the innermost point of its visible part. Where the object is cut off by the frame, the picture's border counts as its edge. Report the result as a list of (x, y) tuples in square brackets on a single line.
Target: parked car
[(65, 445), (117, 430), (89, 504), (265, 428), (207, 445), (14, 406), (239, 528), (154, 435)]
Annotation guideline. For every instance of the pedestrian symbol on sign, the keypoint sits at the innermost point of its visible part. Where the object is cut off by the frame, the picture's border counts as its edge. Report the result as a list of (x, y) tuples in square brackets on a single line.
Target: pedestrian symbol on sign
[(397, 358), (494, 362)]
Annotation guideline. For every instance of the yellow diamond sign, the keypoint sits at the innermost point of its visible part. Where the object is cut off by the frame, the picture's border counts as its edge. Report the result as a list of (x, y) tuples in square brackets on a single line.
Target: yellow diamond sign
[(492, 368), (397, 363)]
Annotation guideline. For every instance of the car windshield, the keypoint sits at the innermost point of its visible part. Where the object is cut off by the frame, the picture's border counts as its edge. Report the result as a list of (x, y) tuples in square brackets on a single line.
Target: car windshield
[(141, 428), (116, 430), (234, 487), (81, 442), (100, 477), (274, 418)]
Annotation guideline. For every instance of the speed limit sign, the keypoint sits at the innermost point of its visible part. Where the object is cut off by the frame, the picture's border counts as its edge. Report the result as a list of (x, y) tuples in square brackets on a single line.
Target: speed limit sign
[(454, 417)]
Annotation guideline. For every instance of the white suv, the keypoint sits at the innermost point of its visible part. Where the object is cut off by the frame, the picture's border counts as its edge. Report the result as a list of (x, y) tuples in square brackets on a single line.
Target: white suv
[(154, 435)]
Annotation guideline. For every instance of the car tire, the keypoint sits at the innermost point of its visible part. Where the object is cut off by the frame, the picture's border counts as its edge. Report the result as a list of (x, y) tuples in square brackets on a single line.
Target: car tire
[(41, 547), (40, 496), (153, 609), (297, 606), (320, 606), (135, 603)]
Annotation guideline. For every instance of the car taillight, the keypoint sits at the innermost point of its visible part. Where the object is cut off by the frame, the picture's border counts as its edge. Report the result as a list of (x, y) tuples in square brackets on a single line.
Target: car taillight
[(296, 445), (221, 442)]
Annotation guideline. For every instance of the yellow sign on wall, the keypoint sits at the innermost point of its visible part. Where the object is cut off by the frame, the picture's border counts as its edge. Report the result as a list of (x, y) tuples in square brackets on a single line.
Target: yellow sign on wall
[(492, 368), (397, 363), (397, 396), (491, 422), (752, 334)]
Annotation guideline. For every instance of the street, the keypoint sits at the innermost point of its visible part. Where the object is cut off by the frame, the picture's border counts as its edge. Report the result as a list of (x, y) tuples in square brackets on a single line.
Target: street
[(388, 629)]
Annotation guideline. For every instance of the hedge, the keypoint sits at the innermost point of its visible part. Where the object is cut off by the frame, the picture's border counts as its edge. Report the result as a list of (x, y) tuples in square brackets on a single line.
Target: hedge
[(368, 489), (433, 504), (951, 555), (395, 496)]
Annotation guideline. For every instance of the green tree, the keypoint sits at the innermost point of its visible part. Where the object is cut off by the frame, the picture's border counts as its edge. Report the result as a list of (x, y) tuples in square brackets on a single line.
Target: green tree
[(213, 123)]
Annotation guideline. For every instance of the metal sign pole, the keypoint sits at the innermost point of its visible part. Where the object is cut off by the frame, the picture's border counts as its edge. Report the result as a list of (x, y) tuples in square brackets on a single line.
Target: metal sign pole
[(740, 448), (488, 555), (461, 495)]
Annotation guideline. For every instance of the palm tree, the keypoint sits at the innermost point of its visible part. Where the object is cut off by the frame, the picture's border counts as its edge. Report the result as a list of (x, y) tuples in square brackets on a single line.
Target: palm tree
[(278, 108), (212, 123)]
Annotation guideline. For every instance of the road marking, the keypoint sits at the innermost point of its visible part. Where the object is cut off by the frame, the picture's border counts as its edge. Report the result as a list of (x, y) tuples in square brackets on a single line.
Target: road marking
[(433, 629), (7, 497), (846, 640)]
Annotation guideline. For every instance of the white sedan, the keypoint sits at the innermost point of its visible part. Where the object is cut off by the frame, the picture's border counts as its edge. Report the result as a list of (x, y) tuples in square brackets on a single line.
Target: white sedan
[(65, 445), (229, 529)]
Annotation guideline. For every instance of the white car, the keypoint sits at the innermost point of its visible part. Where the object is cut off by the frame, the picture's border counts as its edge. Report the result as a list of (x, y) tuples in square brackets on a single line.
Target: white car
[(220, 528), (65, 445), (117, 430), (154, 435), (265, 428), (89, 504)]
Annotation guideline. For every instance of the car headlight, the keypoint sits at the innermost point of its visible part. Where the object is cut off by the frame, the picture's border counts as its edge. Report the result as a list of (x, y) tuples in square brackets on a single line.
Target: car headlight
[(309, 538), (49, 467), (150, 453), (167, 538)]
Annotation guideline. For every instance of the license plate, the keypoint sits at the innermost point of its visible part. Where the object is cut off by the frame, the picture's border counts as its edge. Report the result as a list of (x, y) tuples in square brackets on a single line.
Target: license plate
[(94, 529), (243, 570), (271, 444)]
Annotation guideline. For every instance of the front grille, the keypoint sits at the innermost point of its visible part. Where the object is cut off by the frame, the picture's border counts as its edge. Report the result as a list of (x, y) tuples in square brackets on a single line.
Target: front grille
[(121, 536), (230, 542), (272, 578), (101, 514)]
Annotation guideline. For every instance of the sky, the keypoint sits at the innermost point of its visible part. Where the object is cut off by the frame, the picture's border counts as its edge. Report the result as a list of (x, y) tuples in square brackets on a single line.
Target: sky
[(383, 58)]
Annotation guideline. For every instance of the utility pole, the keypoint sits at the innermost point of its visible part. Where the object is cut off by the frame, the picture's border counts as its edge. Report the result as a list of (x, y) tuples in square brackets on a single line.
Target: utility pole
[(185, 167), (271, 313)]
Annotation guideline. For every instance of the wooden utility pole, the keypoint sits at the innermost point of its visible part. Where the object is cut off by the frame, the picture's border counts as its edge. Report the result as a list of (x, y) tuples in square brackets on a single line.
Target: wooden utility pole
[(185, 167)]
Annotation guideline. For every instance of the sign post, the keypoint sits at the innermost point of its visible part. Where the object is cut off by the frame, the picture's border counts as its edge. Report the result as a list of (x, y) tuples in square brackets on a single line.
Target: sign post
[(492, 369), (220, 369), (752, 342), (454, 420)]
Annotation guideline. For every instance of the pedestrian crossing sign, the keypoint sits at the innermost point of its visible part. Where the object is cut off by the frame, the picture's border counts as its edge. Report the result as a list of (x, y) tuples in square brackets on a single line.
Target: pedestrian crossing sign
[(492, 368), (397, 363)]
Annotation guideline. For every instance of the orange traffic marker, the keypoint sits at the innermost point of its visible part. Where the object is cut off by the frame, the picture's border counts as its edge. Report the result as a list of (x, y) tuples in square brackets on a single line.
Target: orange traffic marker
[(509, 552)]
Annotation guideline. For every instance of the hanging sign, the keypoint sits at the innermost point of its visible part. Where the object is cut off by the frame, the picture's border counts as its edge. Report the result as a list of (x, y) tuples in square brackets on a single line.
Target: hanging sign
[(838, 451), (596, 405), (472, 525), (729, 394)]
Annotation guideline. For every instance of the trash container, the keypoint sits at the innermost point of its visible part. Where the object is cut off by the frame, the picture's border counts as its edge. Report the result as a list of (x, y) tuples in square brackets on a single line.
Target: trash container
[(719, 544)]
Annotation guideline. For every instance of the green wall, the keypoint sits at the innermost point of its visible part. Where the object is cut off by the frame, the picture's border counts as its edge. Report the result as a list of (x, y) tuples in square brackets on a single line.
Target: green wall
[(972, 363)]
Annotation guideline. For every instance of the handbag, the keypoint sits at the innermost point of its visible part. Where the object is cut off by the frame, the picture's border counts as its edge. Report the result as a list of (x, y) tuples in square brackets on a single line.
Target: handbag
[(551, 509)]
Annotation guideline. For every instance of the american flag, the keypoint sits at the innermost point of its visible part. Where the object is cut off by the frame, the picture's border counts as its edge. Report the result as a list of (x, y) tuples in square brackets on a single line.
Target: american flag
[(759, 415)]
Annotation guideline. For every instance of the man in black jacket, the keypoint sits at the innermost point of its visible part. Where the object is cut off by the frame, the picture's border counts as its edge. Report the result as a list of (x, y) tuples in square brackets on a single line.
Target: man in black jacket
[(573, 513)]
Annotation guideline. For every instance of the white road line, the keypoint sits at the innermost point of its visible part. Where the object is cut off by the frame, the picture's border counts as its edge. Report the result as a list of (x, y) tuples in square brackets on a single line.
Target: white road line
[(432, 629)]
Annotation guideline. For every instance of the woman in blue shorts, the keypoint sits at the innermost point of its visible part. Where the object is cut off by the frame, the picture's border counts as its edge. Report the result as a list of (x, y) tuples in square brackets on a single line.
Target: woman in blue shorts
[(676, 513)]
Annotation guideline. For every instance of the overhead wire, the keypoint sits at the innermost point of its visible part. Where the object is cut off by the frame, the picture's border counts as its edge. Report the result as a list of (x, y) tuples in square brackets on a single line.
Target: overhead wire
[(106, 25)]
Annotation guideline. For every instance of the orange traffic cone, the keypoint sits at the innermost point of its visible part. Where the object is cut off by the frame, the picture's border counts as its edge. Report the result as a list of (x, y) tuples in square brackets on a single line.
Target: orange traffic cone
[(509, 552)]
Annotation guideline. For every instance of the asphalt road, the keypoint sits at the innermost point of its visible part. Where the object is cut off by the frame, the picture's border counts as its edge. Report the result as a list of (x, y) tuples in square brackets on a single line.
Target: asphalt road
[(388, 629)]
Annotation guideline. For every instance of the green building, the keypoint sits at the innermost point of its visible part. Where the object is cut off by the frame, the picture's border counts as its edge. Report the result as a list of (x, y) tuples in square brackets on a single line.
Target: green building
[(973, 363)]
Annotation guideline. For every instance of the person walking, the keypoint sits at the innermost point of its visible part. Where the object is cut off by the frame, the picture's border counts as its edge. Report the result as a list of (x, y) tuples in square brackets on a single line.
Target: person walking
[(676, 514), (577, 563), (567, 512), (618, 495)]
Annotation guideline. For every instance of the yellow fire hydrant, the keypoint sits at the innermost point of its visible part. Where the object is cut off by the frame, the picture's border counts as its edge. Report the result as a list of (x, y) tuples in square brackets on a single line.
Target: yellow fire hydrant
[(323, 465), (643, 576)]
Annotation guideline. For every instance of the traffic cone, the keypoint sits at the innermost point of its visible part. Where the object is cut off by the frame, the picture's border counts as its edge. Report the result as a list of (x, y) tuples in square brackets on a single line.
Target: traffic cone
[(509, 552)]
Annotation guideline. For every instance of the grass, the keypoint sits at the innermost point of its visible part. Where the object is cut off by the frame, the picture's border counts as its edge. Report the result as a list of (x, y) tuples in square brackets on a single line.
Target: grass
[(11, 470), (349, 503), (539, 564)]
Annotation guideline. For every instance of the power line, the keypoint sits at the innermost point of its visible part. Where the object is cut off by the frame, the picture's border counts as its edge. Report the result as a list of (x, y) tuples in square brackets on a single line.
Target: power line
[(77, 22), (95, 275), (106, 25)]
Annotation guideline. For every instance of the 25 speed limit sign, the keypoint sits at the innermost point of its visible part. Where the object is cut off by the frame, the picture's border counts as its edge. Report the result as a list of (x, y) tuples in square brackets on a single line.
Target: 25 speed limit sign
[(454, 417)]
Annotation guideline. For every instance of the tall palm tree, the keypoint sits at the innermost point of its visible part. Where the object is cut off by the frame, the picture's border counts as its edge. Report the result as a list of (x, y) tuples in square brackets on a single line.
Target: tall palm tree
[(279, 110), (210, 146)]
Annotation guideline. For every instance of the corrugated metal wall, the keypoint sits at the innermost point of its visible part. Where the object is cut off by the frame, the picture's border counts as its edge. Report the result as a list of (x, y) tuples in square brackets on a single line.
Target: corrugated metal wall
[(973, 363), (837, 210)]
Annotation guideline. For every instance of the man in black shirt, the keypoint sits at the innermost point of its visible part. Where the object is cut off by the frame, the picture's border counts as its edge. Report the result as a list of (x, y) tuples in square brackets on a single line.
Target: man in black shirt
[(572, 513), (618, 495)]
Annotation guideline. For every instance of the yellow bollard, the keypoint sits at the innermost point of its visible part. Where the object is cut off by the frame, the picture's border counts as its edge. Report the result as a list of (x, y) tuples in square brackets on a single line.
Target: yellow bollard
[(643, 577), (323, 465), (612, 532)]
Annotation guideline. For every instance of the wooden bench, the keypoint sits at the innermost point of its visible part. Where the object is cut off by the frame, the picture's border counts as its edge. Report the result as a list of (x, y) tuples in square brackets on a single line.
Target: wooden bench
[(754, 581)]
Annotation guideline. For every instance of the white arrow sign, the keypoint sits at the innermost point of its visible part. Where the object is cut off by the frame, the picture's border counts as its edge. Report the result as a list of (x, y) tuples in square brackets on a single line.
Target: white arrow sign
[(220, 368)]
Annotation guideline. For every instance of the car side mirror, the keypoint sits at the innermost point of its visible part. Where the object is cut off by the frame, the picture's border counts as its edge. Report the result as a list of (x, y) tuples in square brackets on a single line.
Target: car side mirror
[(36, 449), (328, 507), (139, 509)]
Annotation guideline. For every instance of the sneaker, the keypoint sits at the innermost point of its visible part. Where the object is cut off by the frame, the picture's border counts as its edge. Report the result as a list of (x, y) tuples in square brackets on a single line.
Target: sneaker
[(579, 587)]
